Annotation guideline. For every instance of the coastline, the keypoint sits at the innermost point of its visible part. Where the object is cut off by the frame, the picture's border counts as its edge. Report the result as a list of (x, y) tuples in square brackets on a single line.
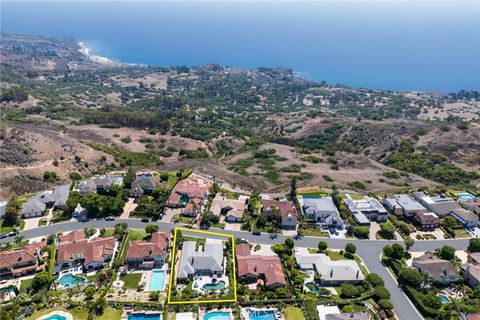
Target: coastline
[(96, 58)]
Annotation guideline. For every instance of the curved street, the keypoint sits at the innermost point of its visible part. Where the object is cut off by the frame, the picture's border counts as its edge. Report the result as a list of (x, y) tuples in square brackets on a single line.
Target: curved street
[(368, 250)]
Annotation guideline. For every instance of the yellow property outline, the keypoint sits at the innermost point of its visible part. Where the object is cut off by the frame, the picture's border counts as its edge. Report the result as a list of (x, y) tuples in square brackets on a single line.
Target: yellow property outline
[(172, 268)]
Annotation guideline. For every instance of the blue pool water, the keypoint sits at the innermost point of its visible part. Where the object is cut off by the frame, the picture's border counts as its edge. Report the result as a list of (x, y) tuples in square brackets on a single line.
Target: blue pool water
[(217, 316), (145, 175), (157, 281), (56, 317), (69, 280), (262, 315), (143, 316), (443, 298), (217, 286), (466, 196)]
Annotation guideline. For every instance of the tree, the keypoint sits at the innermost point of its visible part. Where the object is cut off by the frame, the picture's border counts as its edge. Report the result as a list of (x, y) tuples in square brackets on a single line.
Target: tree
[(387, 230), (99, 305), (119, 229), (208, 218), (154, 295), (289, 243), (12, 211), (385, 304), (349, 291), (447, 253), (89, 292), (41, 280), (322, 246), (374, 279), (278, 249), (380, 292), (75, 176), (411, 277), (474, 245), (394, 251), (409, 242), (293, 188), (129, 177), (151, 228), (253, 201), (431, 300), (281, 292), (361, 232), (449, 222), (350, 248)]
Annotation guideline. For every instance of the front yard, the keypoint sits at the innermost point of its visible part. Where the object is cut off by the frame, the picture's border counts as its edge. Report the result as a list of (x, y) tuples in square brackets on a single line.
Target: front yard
[(131, 280)]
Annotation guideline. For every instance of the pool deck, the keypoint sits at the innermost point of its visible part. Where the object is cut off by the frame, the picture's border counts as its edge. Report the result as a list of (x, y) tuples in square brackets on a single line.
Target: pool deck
[(67, 315), (246, 312), (202, 312)]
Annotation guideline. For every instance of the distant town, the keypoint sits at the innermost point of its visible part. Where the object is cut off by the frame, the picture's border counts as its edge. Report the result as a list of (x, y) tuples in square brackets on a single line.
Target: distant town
[(184, 245)]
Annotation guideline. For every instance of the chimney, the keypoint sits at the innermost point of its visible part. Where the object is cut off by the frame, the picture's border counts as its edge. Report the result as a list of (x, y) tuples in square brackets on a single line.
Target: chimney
[(150, 250)]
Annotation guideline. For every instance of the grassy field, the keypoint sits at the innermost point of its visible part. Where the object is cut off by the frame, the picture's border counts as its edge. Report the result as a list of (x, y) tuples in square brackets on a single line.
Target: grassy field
[(131, 280), (136, 235), (461, 233), (5, 229), (293, 313), (25, 285), (335, 255)]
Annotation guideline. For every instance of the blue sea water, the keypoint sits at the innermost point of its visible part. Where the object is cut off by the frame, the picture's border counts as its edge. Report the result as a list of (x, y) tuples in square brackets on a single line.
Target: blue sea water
[(401, 45)]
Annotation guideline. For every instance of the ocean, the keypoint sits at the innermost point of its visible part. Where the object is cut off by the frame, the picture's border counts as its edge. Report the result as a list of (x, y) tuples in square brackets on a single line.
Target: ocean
[(395, 45)]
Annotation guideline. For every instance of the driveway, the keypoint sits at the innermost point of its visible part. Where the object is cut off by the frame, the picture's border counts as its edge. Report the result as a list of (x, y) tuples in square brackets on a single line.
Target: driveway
[(31, 223), (169, 213), (233, 226), (374, 227), (129, 207)]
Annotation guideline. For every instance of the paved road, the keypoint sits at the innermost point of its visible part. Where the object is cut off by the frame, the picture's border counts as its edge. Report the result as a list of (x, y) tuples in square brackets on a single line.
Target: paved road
[(368, 250)]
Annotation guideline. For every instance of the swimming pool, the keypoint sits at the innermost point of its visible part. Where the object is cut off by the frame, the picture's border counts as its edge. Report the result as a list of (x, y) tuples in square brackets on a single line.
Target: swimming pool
[(217, 316), (443, 298), (158, 280), (69, 280), (465, 195), (145, 175), (262, 315), (143, 316), (183, 200), (56, 317), (217, 286)]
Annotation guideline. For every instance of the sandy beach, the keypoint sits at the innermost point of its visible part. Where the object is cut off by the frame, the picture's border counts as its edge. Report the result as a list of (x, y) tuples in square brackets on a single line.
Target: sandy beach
[(96, 58)]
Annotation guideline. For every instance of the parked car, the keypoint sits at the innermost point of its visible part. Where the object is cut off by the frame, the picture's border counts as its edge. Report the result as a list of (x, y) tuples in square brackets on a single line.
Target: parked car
[(11, 234), (110, 218), (3, 235), (145, 220), (244, 240), (256, 232)]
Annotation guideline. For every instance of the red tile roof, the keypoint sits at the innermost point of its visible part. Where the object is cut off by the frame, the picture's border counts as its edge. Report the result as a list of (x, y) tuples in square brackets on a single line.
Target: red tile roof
[(190, 188), (268, 266), (75, 244), (286, 207), (155, 247), (10, 258)]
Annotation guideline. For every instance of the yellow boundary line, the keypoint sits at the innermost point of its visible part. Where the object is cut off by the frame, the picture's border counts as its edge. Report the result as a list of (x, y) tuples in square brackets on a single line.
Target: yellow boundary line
[(172, 267)]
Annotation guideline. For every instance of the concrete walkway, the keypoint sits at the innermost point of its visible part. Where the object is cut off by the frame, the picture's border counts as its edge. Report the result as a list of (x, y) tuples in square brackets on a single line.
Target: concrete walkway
[(129, 207)]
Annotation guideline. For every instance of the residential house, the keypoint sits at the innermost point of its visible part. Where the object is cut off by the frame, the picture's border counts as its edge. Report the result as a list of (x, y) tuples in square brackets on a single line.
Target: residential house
[(365, 210), (20, 262), (403, 205), (99, 183), (440, 205), (38, 203), (206, 262), (467, 218), (188, 195), (348, 316), (149, 254), (144, 185), (233, 210), (77, 252), (287, 212), (471, 204), (474, 258), (323, 211), (254, 267), (437, 270), (426, 221), (471, 274), (331, 272)]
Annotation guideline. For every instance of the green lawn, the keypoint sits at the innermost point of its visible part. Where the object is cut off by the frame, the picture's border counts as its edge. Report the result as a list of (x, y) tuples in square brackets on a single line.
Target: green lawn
[(131, 280), (315, 232), (25, 285), (461, 233), (110, 314), (360, 264), (293, 313), (136, 235), (78, 314), (335, 255), (5, 229), (108, 233)]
